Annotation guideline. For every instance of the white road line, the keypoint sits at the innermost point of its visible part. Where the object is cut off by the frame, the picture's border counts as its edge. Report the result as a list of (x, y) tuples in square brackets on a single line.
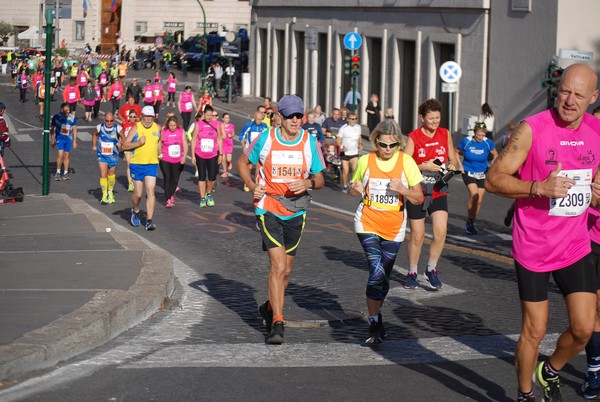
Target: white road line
[(84, 136), (22, 137)]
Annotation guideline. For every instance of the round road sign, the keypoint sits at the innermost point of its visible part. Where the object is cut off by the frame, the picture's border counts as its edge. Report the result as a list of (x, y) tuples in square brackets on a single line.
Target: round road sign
[(450, 72)]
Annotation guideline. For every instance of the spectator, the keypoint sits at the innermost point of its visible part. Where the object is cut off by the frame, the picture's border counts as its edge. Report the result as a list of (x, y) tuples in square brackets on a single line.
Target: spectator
[(373, 112)]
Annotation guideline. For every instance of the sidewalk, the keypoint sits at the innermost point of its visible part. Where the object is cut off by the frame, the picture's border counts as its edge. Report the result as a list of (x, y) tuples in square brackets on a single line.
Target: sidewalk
[(59, 297)]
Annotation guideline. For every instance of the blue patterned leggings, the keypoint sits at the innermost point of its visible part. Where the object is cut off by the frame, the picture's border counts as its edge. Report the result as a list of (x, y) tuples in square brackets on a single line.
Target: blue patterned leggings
[(381, 255)]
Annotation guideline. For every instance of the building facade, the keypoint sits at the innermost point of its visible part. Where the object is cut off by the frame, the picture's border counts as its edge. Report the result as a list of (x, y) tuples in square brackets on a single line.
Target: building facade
[(116, 23), (502, 46)]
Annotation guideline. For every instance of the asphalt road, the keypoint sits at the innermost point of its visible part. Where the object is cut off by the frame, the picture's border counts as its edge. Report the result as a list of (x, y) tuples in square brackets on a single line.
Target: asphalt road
[(452, 345)]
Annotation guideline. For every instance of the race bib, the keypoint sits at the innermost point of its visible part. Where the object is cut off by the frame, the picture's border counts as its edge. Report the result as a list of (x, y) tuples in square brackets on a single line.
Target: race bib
[(65, 129), (207, 144), (71, 95), (380, 193), (253, 135), (57, 73), (107, 147), (579, 196), (188, 105), (156, 92), (116, 93), (476, 176), (286, 166), (52, 80), (103, 81), (148, 94), (174, 150), (172, 85)]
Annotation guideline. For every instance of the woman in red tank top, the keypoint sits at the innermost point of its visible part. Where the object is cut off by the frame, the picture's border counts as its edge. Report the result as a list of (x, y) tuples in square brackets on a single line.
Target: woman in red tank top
[(433, 150)]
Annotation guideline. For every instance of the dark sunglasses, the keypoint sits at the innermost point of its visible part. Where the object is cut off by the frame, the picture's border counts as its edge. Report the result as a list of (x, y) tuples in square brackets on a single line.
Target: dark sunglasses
[(132, 116), (388, 144), (109, 121), (296, 115), (351, 118)]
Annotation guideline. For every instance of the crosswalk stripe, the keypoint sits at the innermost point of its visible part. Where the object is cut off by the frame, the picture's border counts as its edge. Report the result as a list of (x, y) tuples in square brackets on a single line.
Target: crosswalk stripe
[(84, 136), (22, 137)]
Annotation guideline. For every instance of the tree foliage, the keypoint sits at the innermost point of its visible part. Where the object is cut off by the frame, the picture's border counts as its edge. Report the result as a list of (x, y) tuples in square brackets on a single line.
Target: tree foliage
[(6, 31)]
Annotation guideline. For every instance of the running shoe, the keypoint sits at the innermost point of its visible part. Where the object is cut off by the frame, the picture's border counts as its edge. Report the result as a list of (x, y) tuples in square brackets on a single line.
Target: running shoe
[(224, 175), (104, 199), (229, 166), (246, 188), (177, 190), (169, 203), (209, 200), (275, 336), (267, 316), (57, 176), (196, 174), (203, 203), (526, 398), (591, 385), (345, 189), (550, 386), (111, 198), (130, 187), (135, 218), (66, 176), (411, 281), (432, 278), (470, 228), (150, 225), (374, 333)]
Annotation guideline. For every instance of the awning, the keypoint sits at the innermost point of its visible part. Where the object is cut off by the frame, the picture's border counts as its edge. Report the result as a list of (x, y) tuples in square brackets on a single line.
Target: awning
[(31, 33)]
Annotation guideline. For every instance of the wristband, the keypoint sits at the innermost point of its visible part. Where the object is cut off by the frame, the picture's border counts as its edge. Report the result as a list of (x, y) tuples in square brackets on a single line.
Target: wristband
[(531, 189)]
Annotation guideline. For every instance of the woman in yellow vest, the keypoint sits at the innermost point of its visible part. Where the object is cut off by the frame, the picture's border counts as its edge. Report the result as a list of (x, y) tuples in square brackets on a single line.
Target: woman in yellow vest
[(385, 178)]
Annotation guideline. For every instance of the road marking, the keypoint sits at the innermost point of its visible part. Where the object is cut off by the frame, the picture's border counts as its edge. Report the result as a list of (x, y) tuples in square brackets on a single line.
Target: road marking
[(84, 136), (22, 137)]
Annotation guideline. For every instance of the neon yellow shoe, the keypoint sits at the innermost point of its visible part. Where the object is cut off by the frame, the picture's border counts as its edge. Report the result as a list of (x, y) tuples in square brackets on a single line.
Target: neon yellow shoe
[(130, 188), (111, 198), (104, 199)]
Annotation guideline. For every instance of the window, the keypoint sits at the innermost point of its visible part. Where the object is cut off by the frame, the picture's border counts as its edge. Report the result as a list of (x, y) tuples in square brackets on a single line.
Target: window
[(521, 5), (141, 27), (79, 30)]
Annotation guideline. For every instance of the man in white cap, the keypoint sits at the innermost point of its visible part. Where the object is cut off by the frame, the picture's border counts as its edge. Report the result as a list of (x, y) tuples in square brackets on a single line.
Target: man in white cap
[(143, 141), (291, 162)]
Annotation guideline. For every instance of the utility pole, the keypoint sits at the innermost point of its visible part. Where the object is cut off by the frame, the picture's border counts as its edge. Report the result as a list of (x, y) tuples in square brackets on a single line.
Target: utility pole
[(203, 38), (47, 99)]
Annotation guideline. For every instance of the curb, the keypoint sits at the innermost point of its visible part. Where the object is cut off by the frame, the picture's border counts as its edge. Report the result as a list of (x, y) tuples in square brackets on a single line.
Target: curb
[(107, 315)]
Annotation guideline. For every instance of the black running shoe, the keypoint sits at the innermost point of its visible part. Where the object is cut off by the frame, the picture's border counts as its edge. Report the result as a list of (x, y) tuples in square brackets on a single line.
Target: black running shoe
[(374, 333), (267, 316), (276, 335)]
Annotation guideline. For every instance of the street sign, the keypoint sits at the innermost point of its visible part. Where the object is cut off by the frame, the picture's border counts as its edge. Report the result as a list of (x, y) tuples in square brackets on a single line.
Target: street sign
[(449, 87), (312, 38), (352, 41), (450, 72), (579, 55), (230, 49)]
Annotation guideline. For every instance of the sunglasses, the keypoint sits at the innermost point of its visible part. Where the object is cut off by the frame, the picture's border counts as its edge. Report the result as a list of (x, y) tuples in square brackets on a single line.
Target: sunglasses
[(296, 115), (132, 116), (351, 118), (109, 121), (388, 144)]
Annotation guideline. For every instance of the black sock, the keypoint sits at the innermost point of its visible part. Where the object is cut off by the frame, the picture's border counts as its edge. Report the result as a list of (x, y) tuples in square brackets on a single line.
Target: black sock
[(549, 371)]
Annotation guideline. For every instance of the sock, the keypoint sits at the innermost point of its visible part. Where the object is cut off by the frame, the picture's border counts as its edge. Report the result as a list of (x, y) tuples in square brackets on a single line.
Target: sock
[(431, 265), (374, 318), (412, 270), (549, 371), (111, 182), (58, 171), (592, 351), (529, 394), (103, 185), (277, 318)]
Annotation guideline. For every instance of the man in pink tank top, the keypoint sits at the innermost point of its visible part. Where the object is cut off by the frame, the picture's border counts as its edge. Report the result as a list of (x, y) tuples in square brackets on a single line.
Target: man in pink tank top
[(548, 166)]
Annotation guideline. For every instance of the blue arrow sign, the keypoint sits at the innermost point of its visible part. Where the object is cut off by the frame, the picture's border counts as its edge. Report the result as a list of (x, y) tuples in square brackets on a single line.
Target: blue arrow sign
[(352, 41)]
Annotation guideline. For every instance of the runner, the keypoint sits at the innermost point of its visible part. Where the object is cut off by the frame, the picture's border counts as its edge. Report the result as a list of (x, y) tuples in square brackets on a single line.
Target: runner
[(186, 106), (107, 135), (171, 89), (475, 152), (157, 91), (432, 149), (227, 144), (173, 151), (290, 162), (63, 136), (548, 167), (384, 178), (143, 140), (207, 151), (251, 131), (133, 117)]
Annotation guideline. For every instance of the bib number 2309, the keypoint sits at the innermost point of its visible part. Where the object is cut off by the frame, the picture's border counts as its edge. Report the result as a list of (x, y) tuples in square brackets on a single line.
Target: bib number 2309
[(579, 196)]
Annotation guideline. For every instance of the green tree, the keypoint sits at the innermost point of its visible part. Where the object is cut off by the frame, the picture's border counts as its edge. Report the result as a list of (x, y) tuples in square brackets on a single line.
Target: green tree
[(6, 31)]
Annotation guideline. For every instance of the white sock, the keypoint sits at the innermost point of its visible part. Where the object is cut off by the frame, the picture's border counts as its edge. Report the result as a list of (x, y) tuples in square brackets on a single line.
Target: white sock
[(431, 266), (374, 318)]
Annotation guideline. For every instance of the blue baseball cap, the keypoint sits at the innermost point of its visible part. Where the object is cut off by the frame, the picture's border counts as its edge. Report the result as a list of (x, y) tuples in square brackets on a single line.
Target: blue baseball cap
[(290, 104)]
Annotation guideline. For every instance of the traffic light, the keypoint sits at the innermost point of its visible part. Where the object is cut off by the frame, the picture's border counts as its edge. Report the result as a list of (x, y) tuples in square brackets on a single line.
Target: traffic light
[(203, 45), (355, 66), (551, 81), (347, 64)]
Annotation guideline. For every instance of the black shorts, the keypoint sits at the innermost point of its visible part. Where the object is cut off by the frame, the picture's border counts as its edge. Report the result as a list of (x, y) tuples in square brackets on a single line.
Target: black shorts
[(207, 168), (471, 180), (596, 257), (577, 277), (415, 211), (277, 232), (345, 157)]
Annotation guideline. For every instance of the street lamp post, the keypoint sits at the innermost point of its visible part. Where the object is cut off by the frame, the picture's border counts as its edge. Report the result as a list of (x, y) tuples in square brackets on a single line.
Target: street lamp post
[(203, 38), (47, 72)]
